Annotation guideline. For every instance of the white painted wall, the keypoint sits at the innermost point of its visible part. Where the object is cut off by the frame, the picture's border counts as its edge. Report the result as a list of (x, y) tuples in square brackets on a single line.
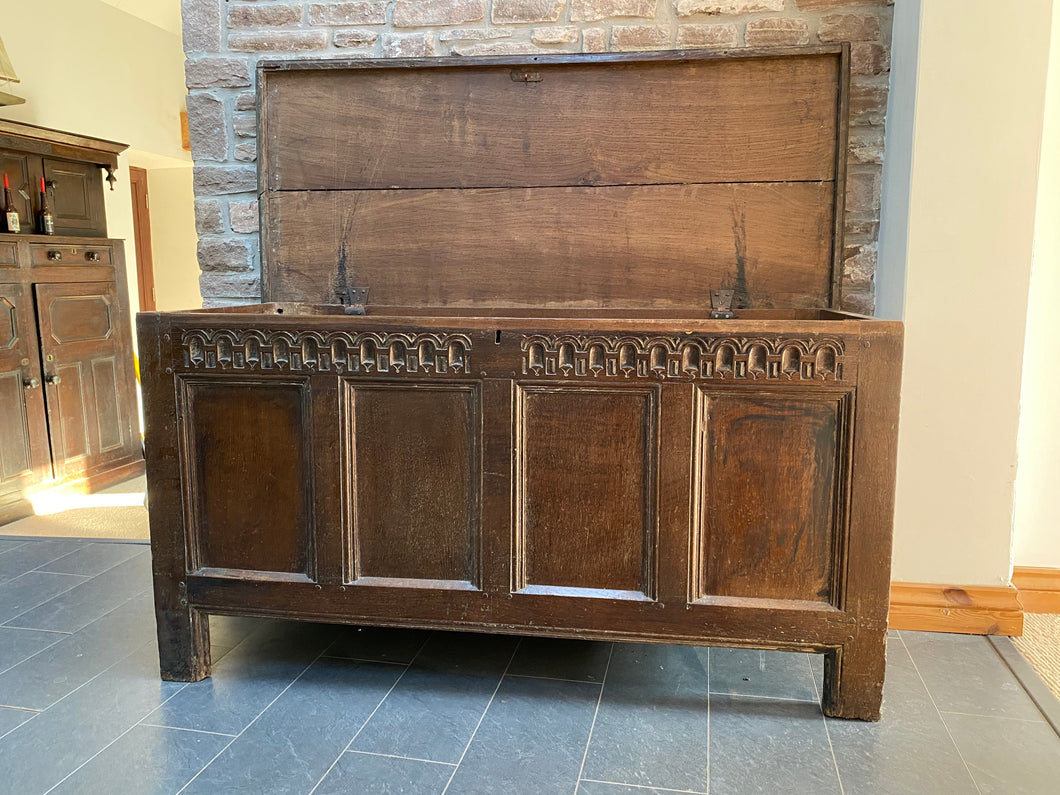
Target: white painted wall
[(1036, 526), (88, 67), (971, 208)]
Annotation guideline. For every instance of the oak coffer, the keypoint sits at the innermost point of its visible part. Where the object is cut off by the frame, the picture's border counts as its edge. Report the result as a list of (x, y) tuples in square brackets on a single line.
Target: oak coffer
[(488, 388)]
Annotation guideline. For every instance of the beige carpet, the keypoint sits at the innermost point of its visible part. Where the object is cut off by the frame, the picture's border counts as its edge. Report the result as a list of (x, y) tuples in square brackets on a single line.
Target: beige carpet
[(1040, 644), (117, 512)]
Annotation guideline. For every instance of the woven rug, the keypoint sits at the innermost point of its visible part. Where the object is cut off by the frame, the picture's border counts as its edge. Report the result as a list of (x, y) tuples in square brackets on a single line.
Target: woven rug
[(1040, 644)]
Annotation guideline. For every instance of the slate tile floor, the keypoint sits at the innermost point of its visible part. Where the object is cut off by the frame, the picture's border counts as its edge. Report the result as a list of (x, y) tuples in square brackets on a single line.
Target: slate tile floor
[(300, 708)]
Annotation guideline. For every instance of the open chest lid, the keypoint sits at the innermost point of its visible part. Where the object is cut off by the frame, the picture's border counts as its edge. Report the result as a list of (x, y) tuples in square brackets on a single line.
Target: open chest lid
[(571, 181)]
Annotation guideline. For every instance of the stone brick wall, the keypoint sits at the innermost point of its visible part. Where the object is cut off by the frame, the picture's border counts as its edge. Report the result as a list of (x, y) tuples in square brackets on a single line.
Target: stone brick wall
[(223, 40)]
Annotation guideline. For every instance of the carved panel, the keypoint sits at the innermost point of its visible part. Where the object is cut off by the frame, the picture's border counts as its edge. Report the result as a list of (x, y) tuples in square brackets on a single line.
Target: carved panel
[(345, 352), (767, 358)]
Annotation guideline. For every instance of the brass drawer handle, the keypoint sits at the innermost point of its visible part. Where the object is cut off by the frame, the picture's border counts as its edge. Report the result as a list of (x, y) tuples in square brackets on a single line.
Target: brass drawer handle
[(53, 379), (55, 256), (92, 256)]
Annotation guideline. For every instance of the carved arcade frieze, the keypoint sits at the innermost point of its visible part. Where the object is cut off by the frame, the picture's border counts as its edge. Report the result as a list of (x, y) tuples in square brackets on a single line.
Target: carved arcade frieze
[(713, 358), (367, 353)]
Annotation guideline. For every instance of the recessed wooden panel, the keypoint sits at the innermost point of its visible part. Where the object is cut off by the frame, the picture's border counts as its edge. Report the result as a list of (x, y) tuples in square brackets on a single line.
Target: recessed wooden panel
[(705, 120), (7, 255), (14, 432), (76, 195), (8, 324), (108, 403), (80, 318), (585, 481), (657, 246), (250, 473), (412, 457), (21, 169), (67, 403), (767, 486), (24, 455)]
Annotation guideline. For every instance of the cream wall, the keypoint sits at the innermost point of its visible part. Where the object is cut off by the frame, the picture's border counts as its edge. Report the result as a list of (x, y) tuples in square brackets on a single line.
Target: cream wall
[(1036, 521), (970, 216), (90, 68), (173, 239)]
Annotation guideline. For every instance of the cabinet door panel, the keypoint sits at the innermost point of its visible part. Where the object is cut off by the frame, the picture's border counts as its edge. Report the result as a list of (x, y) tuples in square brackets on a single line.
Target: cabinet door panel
[(87, 361), (76, 196), (24, 458), (23, 173)]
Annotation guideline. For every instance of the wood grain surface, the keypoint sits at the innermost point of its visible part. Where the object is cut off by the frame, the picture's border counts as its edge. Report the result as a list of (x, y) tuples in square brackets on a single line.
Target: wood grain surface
[(693, 120), (653, 246)]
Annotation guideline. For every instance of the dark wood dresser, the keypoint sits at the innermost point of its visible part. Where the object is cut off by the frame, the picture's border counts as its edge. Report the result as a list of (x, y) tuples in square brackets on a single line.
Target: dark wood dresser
[(68, 407), (539, 425)]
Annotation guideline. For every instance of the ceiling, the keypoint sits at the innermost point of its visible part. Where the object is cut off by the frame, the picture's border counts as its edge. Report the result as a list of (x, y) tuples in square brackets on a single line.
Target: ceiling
[(164, 14)]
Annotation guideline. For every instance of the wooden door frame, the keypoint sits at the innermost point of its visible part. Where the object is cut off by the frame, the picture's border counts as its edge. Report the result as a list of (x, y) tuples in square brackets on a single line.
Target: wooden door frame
[(145, 269)]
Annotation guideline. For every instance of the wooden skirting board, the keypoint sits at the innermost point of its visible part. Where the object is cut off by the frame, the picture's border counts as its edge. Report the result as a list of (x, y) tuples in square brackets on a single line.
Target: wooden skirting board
[(1039, 588), (971, 610)]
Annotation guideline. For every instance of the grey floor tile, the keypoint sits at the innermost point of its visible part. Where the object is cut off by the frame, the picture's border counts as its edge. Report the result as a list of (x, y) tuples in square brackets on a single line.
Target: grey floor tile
[(383, 644), (1008, 756), (368, 774), (651, 729), (11, 719), (759, 745), (908, 750), (91, 599), (17, 645), (562, 658), (963, 673), (246, 680), (434, 709), (43, 679), (755, 672), (32, 554), (45, 750), (294, 742), (95, 559), (7, 544), (817, 669), (587, 787), (23, 593), (146, 761), (532, 739)]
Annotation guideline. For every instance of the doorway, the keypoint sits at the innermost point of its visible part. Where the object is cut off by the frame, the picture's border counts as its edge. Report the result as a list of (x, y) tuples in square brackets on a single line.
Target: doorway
[(145, 270)]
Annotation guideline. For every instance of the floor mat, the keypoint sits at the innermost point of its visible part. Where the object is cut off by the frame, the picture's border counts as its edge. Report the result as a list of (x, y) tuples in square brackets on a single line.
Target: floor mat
[(1040, 644), (116, 512)]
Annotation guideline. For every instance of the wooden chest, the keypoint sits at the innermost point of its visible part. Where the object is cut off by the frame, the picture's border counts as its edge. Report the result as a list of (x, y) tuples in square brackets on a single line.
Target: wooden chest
[(538, 427)]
